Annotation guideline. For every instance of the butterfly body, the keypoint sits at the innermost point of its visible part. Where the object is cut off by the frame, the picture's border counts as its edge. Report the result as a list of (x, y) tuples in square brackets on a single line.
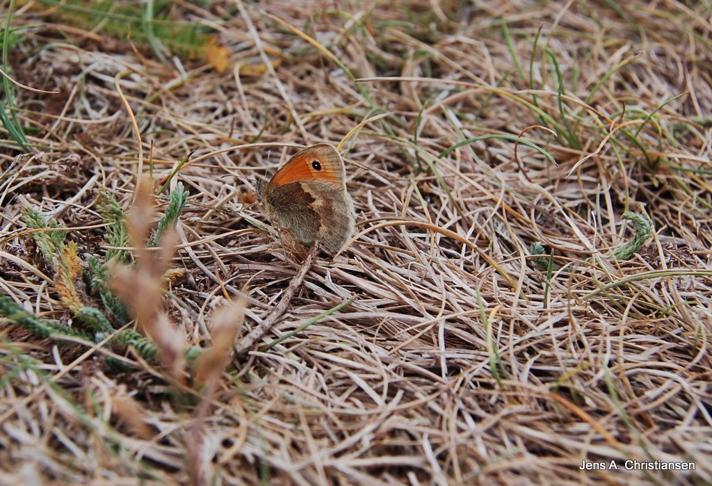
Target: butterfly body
[(307, 199)]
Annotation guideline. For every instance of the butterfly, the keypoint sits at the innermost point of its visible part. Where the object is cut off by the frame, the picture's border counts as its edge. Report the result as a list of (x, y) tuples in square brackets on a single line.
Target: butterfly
[(307, 200)]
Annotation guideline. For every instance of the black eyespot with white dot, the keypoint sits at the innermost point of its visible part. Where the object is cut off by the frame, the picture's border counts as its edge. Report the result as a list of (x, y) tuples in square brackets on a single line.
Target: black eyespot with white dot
[(316, 165)]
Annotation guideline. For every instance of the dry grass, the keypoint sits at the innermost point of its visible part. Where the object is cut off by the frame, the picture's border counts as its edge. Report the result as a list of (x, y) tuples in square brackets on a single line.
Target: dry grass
[(503, 321)]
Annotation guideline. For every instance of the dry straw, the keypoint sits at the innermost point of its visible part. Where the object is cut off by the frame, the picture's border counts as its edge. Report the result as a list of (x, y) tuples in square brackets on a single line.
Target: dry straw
[(529, 286)]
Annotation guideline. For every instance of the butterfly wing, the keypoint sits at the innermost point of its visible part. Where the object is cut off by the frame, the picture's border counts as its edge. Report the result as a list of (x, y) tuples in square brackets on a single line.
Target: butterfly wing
[(308, 198), (316, 163), (289, 207)]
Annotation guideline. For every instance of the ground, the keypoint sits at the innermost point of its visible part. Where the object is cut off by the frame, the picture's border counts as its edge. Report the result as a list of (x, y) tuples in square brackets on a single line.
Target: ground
[(526, 297)]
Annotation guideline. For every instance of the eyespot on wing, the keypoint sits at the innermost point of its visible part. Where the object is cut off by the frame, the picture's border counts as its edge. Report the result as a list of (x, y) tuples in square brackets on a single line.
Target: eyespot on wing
[(317, 163)]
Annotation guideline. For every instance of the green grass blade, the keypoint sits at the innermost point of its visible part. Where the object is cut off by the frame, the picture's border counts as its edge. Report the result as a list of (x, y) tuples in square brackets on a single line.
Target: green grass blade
[(569, 135), (7, 107), (512, 52), (498, 136)]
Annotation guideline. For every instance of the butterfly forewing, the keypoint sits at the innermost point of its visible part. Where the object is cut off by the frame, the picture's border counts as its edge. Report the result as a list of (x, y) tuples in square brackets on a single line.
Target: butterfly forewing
[(307, 197)]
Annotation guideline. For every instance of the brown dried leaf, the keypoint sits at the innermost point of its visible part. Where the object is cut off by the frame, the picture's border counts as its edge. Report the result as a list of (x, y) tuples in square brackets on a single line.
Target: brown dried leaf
[(141, 286), (139, 219), (130, 413), (226, 325), (217, 55), (171, 345)]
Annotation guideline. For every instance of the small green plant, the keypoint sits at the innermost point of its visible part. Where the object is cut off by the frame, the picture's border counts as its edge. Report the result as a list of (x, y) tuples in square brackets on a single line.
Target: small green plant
[(115, 234), (643, 229), (145, 25), (176, 204), (76, 282), (495, 360)]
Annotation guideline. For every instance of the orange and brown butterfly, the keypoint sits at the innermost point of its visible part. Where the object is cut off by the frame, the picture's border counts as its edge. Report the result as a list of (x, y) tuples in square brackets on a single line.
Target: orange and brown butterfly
[(307, 199)]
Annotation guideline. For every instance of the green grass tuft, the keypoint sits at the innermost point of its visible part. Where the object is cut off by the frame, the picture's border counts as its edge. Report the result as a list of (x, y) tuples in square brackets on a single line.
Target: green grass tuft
[(7, 103), (146, 26)]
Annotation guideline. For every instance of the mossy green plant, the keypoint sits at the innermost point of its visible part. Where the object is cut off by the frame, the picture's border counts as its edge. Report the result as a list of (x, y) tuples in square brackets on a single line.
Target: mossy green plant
[(62, 257), (176, 204), (643, 229)]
